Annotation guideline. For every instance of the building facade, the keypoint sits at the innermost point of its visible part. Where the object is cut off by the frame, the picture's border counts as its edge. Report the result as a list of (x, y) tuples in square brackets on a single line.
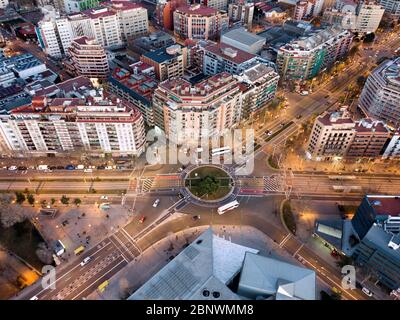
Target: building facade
[(72, 6), (304, 58), (197, 22), (73, 124), (380, 97), (392, 150), (243, 12), (168, 62), (331, 135), (188, 113), (88, 58), (391, 6)]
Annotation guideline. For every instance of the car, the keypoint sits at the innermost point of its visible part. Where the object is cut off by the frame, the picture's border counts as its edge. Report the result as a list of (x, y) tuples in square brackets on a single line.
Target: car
[(101, 167), (155, 204), (283, 124), (22, 168), (142, 218), (12, 168), (70, 167), (109, 167), (269, 133), (34, 298), (103, 197), (60, 167), (196, 218), (85, 261), (298, 116), (367, 292), (53, 167)]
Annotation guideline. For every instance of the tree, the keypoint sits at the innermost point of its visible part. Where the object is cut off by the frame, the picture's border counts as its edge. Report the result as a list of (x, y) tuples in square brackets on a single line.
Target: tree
[(12, 214), (369, 37), (361, 81), (44, 253), (43, 203), (65, 200), (31, 199), (52, 201), (19, 197), (77, 201), (344, 261)]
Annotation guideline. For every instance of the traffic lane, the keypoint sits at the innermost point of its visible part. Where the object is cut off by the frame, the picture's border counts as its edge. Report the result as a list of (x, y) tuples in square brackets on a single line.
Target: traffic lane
[(82, 277), (64, 271)]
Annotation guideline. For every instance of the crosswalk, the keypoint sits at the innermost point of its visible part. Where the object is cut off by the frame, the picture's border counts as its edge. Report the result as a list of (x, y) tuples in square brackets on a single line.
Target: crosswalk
[(147, 184), (273, 183)]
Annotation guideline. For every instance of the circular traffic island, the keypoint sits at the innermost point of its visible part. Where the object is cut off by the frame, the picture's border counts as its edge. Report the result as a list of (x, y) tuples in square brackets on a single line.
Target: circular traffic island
[(209, 183)]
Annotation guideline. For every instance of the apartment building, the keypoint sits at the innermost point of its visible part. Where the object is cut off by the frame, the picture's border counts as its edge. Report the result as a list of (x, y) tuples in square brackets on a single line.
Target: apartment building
[(188, 113), (380, 97), (72, 6), (220, 57), (304, 58), (168, 62), (112, 25), (392, 151), (307, 9), (87, 58), (136, 87), (258, 84), (164, 14), (362, 17), (216, 4), (96, 124), (331, 135), (243, 12), (392, 7), (197, 22)]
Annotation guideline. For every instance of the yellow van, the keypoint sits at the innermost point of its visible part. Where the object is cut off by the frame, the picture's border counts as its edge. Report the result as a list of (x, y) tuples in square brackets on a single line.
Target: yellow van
[(103, 286), (79, 250)]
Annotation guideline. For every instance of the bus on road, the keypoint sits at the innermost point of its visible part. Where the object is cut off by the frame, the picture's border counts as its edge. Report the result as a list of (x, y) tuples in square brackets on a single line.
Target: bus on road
[(229, 206), (220, 151)]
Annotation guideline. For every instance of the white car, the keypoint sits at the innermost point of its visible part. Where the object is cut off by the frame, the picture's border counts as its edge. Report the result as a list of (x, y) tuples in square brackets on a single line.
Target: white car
[(12, 168), (155, 204), (103, 198), (34, 298), (85, 261), (367, 292)]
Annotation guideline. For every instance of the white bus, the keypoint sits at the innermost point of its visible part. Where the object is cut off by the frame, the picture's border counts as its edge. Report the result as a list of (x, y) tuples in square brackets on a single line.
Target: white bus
[(229, 206), (220, 151)]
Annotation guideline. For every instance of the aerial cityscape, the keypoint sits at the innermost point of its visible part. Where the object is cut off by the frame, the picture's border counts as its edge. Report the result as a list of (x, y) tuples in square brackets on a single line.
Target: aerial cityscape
[(209, 150)]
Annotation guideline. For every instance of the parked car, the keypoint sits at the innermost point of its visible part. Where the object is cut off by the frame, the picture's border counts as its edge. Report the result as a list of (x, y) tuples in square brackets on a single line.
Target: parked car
[(103, 197), (142, 218), (22, 168), (85, 261), (60, 167), (196, 218), (12, 168), (155, 204), (101, 167), (70, 167)]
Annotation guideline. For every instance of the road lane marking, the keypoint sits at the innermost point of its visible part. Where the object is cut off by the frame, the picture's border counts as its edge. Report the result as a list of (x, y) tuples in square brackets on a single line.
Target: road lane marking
[(285, 239), (102, 276), (294, 254)]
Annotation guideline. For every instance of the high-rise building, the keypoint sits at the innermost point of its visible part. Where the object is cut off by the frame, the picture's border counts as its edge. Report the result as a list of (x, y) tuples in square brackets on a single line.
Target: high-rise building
[(360, 17), (304, 58), (380, 97), (111, 25), (198, 22), (380, 209), (243, 12), (168, 62), (188, 113), (79, 5), (88, 58), (96, 124), (164, 13), (392, 7), (258, 84)]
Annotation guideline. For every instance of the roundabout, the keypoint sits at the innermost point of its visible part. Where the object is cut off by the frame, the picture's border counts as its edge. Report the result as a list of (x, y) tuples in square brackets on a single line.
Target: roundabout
[(208, 185)]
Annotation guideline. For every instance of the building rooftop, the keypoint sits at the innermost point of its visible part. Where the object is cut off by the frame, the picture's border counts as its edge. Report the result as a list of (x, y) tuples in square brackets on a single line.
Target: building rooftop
[(243, 36), (385, 241), (385, 205), (165, 53), (208, 262), (336, 118), (197, 9), (229, 53), (262, 277), (390, 72), (369, 125), (96, 13), (183, 88)]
